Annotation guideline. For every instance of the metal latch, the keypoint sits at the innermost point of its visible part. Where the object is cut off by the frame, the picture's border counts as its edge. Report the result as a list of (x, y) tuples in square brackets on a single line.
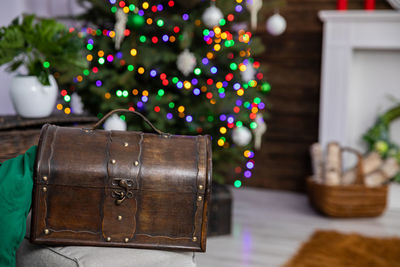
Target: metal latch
[(122, 194)]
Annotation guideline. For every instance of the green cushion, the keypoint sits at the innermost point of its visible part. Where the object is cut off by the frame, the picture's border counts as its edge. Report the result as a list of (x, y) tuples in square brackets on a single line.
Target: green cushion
[(16, 186)]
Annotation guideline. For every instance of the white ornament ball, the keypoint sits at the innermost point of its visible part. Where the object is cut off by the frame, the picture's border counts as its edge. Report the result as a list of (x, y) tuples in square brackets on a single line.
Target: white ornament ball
[(276, 24), (241, 136), (249, 73), (238, 26), (211, 16), (76, 104), (114, 123), (186, 62)]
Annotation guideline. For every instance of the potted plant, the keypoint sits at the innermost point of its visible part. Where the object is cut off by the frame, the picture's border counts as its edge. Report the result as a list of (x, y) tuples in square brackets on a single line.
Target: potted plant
[(41, 47)]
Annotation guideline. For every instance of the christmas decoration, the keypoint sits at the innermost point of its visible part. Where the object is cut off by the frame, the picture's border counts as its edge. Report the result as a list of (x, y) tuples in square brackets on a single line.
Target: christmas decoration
[(276, 24), (114, 123), (249, 73), (212, 16), (120, 26), (184, 74), (76, 104), (254, 7), (241, 136), (259, 131), (186, 62)]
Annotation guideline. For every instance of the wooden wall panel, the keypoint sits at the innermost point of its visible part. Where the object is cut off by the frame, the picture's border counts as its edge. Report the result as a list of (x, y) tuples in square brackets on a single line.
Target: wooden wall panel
[(293, 62)]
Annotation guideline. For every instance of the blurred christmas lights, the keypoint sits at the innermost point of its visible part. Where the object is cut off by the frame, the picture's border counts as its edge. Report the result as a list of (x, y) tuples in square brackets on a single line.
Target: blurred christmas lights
[(218, 39)]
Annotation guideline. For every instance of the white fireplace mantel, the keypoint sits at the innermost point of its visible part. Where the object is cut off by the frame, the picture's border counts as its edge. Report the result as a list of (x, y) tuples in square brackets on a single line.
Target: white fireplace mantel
[(343, 34)]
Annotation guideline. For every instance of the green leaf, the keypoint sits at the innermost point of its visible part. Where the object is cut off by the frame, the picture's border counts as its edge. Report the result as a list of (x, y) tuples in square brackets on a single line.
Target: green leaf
[(27, 22), (43, 77), (12, 38)]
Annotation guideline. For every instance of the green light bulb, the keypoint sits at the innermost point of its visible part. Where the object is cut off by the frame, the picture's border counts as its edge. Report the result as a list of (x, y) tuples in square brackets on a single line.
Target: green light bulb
[(160, 23), (237, 183), (142, 38), (136, 21), (266, 87)]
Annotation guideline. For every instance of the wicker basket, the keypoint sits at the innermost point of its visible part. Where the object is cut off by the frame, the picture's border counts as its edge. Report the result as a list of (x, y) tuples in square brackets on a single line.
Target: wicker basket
[(348, 201)]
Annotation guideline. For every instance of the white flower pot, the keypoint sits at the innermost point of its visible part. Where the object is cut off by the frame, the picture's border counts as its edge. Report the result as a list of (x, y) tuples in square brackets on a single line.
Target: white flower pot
[(31, 99)]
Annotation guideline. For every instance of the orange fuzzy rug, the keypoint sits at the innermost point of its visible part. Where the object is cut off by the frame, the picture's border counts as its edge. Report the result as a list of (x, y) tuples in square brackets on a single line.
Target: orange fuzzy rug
[(333, 249)]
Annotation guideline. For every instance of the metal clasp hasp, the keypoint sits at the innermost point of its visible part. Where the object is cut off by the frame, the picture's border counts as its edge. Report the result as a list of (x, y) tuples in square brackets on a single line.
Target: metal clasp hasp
[(121, 195)]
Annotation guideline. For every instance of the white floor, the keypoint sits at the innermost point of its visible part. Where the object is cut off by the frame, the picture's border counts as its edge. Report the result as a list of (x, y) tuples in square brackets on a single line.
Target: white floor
[(269, 226)]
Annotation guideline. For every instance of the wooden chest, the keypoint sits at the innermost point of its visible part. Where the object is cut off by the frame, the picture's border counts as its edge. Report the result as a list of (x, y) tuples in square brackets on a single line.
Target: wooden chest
[(123, 189)]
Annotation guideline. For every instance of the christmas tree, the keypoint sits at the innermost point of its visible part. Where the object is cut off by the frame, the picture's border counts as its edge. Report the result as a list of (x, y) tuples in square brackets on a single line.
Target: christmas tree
[(186, 65)]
